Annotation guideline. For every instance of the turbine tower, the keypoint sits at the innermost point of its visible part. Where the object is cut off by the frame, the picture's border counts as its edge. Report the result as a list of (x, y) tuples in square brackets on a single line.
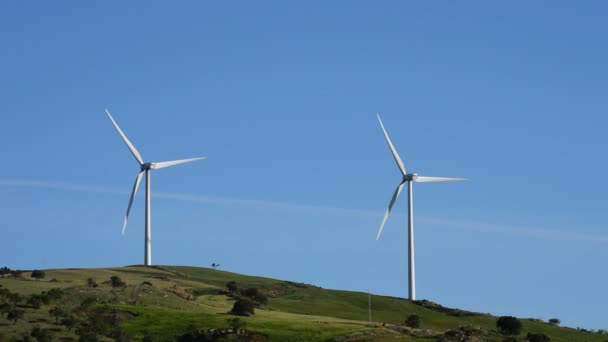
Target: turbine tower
[(407, 178), (144, 167)]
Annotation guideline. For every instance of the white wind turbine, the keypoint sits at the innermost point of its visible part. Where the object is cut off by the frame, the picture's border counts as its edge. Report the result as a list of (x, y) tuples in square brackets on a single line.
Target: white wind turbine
[(144, 167), (407, 178)]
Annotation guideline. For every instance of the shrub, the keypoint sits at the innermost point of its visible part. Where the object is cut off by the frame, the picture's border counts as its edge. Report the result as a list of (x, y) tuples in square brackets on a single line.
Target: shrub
[(38, 274), (243, 307), (14, 298), (231, 286), (15, 315), (116, 281), (5, 308), (35, 301), (41, 335), (554, 321), (508, 325), (538, 337), (4, 271), (91, 282), (52, 294), (57, 312), (255, 295), (412, 321)]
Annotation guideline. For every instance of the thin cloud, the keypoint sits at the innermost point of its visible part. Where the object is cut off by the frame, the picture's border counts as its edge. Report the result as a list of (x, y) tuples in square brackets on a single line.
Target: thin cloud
[(534, 232), (320, 210)]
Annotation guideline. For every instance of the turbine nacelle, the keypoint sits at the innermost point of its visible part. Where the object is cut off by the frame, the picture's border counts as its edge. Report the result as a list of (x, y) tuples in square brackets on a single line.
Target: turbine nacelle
[(410, 177), (146, 166)]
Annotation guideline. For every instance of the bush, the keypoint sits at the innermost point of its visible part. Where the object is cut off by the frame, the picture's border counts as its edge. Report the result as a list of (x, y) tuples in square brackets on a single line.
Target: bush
[(35, 301), (91, 282), (412, 321), (15, 315), (38, 274), (41, 335), (117, 282), (508, 325), (57, 312), (554, 321), (4, 271), (538, 337), (52, 294), (5, 308), (231, 286), (243, 307), (255, 295)]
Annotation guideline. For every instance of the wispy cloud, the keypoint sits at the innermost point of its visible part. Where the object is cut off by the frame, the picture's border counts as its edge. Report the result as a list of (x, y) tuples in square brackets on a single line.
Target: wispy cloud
[(482, 227), (535, 232), (314, 209)]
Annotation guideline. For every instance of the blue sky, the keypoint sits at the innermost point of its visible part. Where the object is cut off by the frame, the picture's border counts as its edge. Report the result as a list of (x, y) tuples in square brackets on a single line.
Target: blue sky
[(281, 98)]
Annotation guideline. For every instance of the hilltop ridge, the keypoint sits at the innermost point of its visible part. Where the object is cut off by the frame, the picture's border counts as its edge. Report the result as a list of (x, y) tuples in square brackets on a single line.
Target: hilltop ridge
[(171, 303)]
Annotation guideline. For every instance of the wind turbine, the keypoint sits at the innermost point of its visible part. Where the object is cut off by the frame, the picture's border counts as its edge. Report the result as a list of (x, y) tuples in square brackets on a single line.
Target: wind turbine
[(144, 167), (407, 178)]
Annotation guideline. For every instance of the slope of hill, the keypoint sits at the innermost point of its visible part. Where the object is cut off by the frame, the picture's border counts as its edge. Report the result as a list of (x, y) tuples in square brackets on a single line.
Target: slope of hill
[(166, 303)]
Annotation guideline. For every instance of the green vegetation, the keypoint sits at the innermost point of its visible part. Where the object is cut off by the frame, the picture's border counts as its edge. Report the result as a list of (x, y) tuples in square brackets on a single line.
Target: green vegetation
[(508, 325), (412, 321), (188, 303)]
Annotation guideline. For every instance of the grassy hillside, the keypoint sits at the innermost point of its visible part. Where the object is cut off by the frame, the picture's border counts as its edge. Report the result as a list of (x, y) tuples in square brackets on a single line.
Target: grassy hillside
[(163, 303)]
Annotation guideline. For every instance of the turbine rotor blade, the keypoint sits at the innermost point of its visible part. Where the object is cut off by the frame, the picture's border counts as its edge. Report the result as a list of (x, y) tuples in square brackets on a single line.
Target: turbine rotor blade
[(161, 165), (133, 193), (132, 148), (425, 179), (393, 150), (390, 206)]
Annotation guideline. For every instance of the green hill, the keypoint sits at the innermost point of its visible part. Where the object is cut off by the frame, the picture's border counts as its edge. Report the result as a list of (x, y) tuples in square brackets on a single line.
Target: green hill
[(165, 302)]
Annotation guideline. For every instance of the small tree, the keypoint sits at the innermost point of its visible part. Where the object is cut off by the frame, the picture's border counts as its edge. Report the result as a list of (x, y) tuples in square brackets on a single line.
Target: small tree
[(255, 295), (41, 335), (91, 282), (69, 322), (116, 281), (554, 321), (4, 271), (35, 301), (231, 286), (508, 325), (38, 274), (243, 307), (52, 294), (15, 315), (57, 312), (538, 337), (14, 298), (5, 308), (412, 321)]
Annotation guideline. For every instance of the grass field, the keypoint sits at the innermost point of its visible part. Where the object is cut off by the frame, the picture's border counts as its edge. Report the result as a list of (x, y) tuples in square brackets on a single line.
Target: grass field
[(162, 303)]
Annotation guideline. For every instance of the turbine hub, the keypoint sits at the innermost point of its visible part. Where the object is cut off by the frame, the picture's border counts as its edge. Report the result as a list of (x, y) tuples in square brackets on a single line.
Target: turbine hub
[(410, 177), (146, 166)]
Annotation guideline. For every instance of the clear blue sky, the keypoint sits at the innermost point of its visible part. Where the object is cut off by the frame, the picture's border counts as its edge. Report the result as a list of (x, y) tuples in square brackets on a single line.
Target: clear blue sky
[(282, 99)]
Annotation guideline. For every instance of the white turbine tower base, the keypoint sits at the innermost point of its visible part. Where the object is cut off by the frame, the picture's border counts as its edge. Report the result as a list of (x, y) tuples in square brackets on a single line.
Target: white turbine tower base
[(144, 168), (407, 178)]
